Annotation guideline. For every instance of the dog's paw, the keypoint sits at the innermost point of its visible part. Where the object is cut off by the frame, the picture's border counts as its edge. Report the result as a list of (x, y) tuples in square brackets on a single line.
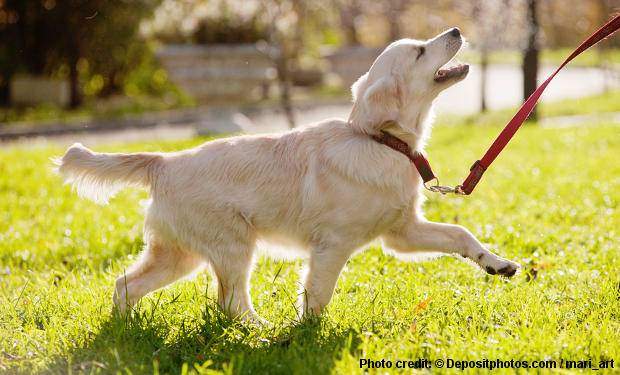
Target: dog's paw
[(255, 320), (503, 268)]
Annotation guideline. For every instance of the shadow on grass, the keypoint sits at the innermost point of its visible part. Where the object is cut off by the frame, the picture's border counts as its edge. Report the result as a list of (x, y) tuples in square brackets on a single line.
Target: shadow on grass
[(139, 344)]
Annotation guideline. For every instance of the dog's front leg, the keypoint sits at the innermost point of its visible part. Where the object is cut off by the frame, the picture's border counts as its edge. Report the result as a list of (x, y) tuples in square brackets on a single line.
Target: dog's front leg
[(421, 235), (322, 273)]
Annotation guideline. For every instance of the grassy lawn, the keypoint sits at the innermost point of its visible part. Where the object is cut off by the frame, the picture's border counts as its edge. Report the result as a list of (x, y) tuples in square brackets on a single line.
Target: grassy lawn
[(608, 102), (550, 202)]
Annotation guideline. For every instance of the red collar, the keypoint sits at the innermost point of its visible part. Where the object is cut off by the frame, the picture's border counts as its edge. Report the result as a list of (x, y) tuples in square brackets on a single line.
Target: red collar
[(416, 157)]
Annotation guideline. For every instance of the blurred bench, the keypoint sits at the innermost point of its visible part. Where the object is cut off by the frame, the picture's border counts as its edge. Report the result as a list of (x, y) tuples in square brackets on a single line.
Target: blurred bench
[(349, 63), (219, 74), (32, 90)]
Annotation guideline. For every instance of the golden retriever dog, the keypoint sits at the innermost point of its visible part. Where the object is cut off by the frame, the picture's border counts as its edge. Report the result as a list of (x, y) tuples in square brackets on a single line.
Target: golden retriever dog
[(326, 190)]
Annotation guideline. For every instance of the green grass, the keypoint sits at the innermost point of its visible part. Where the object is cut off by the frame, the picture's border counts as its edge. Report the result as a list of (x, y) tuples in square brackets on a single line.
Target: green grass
[(550, 202), (592, 105)]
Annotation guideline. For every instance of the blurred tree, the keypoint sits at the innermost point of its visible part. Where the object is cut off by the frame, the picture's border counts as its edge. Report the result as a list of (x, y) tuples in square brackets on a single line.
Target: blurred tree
[(58, 37), (476, 12), (530, 54), (285, 38), (349, 11), (565, 26), (393, 10), (488, 36)]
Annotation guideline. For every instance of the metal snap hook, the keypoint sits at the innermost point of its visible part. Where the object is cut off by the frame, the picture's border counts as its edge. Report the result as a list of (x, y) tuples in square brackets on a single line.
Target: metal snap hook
[(443, 190)]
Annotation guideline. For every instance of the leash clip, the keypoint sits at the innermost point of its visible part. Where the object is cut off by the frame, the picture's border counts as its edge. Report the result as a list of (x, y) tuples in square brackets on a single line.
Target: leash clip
[(443, 190)]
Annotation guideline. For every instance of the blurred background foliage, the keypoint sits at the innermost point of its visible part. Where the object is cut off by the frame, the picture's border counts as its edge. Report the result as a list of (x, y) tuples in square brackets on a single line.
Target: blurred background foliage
[(90, 41), (105, 49)]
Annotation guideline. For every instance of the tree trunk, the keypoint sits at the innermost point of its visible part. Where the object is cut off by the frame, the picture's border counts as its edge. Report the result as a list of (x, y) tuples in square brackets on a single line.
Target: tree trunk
[(484, 63), (530, 55), (5, 97), (280, 52), (74, 54), (285, 87), (75, 99), (348, 15), (110, 85), (394, 27), (394, 10)]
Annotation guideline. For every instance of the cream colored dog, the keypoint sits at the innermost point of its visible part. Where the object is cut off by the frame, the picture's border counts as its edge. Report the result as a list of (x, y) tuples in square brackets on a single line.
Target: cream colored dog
[(327, 189)]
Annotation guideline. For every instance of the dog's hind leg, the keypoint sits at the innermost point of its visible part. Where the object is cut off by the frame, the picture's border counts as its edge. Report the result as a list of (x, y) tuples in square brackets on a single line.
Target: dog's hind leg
[(420, 235), (158, 266)]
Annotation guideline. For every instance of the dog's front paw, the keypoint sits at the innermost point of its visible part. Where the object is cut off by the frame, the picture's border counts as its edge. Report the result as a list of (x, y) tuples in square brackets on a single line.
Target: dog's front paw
[(503, 268), (254, 320)]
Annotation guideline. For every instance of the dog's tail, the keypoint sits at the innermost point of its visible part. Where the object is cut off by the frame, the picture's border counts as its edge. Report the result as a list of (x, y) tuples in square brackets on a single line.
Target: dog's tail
[(98, 176)]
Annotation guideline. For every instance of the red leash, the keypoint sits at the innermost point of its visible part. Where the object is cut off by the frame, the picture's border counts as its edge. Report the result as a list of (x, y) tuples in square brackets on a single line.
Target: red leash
[(480, 166)]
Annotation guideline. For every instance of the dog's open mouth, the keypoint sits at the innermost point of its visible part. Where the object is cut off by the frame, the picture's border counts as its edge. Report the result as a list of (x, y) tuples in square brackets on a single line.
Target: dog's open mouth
[(456, 71)]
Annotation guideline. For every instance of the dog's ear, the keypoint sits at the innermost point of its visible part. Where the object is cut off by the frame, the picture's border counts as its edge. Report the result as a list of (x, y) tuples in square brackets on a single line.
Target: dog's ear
[(359, 86), (384, 96), (374, 104)]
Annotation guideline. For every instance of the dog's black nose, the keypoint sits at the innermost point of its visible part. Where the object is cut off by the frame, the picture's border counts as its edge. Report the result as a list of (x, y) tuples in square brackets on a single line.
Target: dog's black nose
[(455, 32)]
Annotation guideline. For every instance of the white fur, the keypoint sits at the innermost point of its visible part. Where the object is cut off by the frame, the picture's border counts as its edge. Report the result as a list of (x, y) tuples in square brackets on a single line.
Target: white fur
[(326, 190)]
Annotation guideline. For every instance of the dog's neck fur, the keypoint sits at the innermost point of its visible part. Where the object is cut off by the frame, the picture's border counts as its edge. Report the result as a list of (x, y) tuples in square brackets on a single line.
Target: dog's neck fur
[(412, 127)]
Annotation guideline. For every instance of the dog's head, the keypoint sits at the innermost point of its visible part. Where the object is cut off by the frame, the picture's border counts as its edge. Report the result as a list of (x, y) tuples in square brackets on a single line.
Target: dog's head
[(404, 80)]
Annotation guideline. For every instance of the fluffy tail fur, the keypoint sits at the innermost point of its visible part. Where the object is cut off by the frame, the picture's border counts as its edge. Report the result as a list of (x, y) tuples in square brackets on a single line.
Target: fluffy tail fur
[(98, 176)]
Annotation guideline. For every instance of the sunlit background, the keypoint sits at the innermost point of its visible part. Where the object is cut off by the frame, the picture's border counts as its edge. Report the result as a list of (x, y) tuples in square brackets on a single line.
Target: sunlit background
[(240, 65)]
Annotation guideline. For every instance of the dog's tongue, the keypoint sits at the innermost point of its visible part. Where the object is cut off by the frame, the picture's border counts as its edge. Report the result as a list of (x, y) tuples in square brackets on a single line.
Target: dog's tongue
[(446, 71), (453, 71)]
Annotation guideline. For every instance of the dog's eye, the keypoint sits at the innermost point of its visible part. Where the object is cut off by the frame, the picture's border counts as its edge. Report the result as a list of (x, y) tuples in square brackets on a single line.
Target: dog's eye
[(421, 51)]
